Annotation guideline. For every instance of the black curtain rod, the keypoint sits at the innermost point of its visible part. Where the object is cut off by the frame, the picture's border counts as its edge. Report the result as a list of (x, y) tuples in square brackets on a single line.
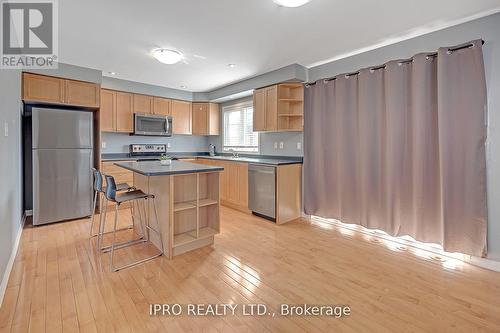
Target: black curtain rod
[(430, 55)]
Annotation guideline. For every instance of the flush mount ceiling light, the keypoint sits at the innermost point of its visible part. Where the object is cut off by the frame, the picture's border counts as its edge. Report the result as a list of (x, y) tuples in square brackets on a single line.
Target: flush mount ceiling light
[(291, 3), (167, 56)]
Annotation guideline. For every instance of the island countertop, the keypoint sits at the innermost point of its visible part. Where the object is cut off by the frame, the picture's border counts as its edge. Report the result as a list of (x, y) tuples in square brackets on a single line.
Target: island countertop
[(154, 168)]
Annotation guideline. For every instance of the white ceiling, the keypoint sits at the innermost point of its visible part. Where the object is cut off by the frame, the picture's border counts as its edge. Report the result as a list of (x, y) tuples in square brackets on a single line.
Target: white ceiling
[(256, 35)]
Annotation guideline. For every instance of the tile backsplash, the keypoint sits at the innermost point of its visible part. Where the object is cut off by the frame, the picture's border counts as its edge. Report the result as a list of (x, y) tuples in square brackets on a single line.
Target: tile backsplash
[(119, 142)]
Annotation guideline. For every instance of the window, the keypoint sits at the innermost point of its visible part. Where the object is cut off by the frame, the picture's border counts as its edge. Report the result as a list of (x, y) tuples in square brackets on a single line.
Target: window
[(238, 134)]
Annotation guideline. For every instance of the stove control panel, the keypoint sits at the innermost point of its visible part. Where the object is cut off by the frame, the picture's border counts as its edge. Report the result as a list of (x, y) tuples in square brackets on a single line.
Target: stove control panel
[(153, 149)]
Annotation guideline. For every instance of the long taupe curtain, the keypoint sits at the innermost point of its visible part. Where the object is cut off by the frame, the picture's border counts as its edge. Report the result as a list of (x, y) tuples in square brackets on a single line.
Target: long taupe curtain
[(401, 148)]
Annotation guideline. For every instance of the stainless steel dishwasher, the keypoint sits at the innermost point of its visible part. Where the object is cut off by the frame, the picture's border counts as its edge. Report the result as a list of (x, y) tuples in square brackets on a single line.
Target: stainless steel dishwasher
[(262, 190)]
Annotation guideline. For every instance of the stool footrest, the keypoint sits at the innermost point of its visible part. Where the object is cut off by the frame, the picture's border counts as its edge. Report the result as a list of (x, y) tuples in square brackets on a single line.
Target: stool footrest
[(107, 248), (110, 232), (116, 269)]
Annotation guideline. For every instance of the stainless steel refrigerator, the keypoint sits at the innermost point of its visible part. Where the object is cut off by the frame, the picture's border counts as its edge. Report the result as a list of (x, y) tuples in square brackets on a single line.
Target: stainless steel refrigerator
[(62, 152)]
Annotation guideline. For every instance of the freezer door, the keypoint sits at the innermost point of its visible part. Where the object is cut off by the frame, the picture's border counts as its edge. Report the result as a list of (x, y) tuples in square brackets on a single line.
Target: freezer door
[(62, 184), (65, 129)]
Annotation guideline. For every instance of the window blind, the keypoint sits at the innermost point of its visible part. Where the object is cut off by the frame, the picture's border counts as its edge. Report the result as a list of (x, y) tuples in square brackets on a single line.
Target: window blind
[(238, 129)]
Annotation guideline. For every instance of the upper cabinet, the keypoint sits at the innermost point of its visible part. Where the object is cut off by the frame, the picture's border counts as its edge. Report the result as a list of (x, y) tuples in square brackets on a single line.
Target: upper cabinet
[(259, 110), (181, 117), (161, 106), (124, 112), (279, 108), (47, 89), (116, 112), (107, 112), (143, 104), (206, 119), (81, 93), (272, 108), (43, 88), (118, 108)]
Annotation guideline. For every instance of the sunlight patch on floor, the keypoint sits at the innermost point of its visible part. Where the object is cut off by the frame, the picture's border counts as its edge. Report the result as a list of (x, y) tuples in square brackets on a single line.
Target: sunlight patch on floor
[(425, 251)]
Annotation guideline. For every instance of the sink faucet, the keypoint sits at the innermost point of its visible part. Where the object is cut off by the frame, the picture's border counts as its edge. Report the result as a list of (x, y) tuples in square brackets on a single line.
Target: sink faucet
[(235, 154)]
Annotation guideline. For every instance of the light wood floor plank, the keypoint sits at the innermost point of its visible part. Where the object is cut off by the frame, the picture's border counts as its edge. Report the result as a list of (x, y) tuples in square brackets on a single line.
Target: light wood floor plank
[(59, 284)]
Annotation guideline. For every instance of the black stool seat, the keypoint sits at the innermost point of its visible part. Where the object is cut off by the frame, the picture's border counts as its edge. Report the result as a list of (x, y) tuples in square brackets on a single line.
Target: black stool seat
[(121, 187), (132, 195)]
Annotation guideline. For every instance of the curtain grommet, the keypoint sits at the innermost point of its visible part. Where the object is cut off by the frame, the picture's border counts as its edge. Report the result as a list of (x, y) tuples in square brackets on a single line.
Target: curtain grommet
[(448, 52)]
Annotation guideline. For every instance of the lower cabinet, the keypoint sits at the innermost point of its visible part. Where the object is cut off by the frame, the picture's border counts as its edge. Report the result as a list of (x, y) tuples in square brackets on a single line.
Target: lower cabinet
[(234, 188), (120, 175), (233, 183)]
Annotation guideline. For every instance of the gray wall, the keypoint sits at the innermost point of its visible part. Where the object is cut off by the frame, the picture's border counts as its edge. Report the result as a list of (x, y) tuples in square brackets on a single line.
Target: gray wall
[(10, 164), (488, 29), (146, 89), (118, 142), (267, 140), (292, 72), (72, 72)]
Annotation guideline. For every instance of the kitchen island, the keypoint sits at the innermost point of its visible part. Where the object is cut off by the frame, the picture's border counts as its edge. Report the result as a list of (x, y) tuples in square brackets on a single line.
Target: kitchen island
[(187, 200)]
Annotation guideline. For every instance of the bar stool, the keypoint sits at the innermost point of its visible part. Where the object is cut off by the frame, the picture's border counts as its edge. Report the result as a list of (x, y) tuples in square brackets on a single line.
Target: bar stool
[(134, 196), (98, 190)]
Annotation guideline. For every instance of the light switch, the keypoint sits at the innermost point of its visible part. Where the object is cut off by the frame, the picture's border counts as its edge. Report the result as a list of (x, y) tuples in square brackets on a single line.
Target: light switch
[(275, 145), (282, 145), (103, 144), (169, 145), (299, 145), (6, 129)]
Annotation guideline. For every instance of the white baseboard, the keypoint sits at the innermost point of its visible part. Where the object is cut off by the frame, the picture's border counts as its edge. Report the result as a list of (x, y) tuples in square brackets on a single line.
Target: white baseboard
[(8, 269), (490, 264)]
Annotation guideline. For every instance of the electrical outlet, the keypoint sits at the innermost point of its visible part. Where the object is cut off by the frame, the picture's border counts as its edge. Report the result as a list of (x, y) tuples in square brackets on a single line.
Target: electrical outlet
[(6, 129), (103, 145), (299, 145), (275, 145), (169, 145), (282, 145)]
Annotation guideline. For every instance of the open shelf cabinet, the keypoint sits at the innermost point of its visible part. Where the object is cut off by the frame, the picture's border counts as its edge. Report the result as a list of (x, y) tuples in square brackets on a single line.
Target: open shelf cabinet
[(195, 207), (291, 106)]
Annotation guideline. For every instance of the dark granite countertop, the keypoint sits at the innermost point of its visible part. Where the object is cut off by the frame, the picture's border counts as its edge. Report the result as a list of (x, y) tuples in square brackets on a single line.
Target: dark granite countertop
[(154, 168), (259, 159), (110, 157)]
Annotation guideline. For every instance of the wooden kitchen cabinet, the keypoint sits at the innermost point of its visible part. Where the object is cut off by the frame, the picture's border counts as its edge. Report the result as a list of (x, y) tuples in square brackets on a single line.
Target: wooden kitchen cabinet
[(116, 113), (40, 88), (107, 112), (161, 106), (279, 108), (48, 89), (259, 110), (265, 109), (124, 112), (233, 183), (181, 117), (272, 108), (81, 93), (206, 119), (142, 104)]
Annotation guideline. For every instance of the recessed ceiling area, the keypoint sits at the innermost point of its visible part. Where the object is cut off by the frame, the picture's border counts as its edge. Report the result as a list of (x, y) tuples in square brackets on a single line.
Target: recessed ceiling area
[(255, 36)]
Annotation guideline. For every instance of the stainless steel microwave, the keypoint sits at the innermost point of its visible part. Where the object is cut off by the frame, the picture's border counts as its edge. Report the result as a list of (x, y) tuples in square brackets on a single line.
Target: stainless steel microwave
[(152, 125)]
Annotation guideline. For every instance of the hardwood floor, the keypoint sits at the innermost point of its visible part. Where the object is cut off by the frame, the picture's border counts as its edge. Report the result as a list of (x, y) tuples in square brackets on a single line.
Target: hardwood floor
[(58, 284)]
